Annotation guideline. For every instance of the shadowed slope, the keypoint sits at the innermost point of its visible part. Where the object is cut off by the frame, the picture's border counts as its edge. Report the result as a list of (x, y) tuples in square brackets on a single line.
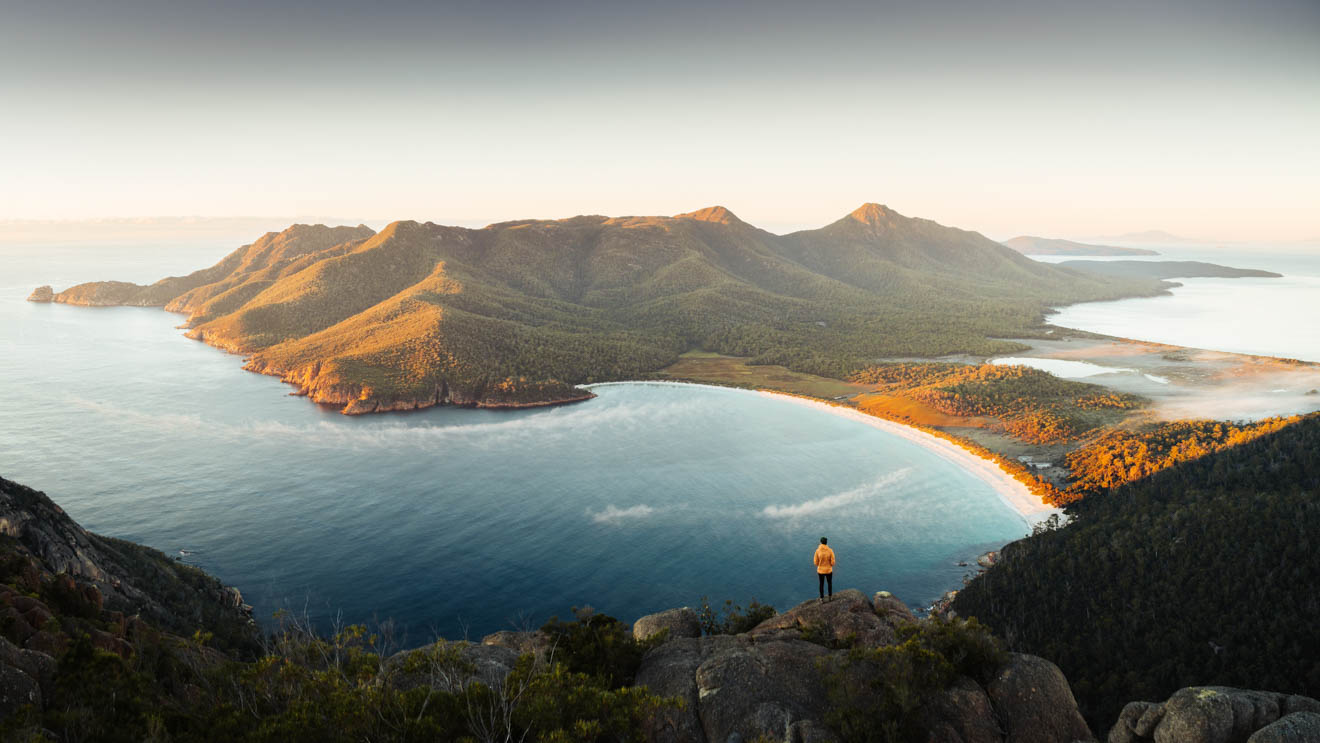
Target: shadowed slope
[(519, 312)]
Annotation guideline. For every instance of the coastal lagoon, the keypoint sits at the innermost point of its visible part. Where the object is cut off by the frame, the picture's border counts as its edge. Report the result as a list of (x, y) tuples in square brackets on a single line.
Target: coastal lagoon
[(456, 521)]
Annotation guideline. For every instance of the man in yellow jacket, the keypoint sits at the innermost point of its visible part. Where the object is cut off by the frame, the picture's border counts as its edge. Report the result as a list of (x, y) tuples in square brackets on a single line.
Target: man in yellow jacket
[(825, 567)]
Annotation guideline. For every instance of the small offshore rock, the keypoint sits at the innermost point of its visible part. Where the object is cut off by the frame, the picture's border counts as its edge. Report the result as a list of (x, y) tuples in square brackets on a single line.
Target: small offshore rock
[(47, 294)]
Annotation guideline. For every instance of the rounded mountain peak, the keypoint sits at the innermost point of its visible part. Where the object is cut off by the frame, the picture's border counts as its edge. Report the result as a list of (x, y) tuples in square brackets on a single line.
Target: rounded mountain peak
[(717, 214), (874, 214)]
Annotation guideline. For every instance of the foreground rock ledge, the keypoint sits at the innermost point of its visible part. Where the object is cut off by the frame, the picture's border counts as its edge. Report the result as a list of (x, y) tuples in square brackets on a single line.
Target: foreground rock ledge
[(768, 682), (1220, 714)]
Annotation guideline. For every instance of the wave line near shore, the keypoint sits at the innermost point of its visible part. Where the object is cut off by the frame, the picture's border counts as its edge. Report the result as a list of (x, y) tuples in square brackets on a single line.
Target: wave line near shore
[(1013, 493)]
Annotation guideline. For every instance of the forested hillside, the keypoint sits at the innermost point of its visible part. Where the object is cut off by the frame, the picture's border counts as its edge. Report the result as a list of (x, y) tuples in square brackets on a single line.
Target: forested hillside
[(1203, 573), (1031, 405), (519, 312)]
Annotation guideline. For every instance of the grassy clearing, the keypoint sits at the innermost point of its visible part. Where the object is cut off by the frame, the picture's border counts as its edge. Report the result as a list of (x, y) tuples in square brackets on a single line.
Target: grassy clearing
[(713, 368)]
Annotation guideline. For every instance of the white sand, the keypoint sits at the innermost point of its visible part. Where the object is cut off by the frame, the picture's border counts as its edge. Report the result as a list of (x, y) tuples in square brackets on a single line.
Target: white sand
[(1012, 492)]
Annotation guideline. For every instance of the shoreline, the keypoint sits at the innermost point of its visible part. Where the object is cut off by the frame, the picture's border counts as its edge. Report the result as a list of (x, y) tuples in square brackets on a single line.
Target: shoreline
[(1011, 492)]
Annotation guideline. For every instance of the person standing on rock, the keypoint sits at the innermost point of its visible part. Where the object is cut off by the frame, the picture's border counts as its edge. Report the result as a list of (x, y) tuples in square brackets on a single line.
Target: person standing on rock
[(824, 567)]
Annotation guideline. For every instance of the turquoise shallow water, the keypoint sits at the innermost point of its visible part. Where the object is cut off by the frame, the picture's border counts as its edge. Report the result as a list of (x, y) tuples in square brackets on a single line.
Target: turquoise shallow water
[(457, 521)]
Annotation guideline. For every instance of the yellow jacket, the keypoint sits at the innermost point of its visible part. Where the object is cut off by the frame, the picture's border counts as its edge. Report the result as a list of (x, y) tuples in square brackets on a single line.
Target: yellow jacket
[(824, 560)]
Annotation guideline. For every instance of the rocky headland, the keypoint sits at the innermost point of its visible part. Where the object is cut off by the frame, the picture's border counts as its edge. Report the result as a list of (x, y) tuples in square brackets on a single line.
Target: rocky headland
[(61, 584), (520, 313), (1169, 269)]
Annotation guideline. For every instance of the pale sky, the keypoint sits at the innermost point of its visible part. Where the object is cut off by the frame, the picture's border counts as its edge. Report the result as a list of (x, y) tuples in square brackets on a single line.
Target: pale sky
[(1055, 118)]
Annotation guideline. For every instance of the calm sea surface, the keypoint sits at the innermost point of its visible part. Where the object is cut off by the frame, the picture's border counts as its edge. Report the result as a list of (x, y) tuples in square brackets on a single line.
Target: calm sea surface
[(455, 521), (1267, 317)]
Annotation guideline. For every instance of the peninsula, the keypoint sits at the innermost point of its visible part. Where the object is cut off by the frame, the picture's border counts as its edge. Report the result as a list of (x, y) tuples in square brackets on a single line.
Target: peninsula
[(519, 313), (1168, 270), (1032, 245)]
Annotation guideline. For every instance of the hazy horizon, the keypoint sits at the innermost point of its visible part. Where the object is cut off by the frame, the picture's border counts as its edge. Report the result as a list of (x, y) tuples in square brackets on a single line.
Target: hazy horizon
[(245, 228), (1063, 120)]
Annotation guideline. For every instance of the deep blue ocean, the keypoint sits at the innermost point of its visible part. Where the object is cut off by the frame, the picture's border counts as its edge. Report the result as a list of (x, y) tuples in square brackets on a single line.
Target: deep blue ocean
[(452, 521)]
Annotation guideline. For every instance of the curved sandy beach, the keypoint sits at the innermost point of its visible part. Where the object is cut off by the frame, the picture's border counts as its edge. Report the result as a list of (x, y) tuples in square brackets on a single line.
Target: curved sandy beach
[(1012, 492)]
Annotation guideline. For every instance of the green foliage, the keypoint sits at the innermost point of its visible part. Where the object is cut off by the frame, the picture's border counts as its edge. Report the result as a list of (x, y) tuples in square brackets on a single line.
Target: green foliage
[(733, 619), (520, 312), (598, 645), (1122, 456), (338, 688), (99, 697), (877, 694), (562, 706), (1033, 405), (1199, 574)]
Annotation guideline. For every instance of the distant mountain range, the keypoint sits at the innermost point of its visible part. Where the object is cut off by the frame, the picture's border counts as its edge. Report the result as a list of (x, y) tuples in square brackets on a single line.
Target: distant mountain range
[(1031, 245), (518, 313)]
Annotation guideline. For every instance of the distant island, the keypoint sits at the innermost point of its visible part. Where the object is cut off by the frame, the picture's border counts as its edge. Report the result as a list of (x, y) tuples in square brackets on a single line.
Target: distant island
[(1168, 269), (1031, 245), (519, 313), (1152, 237)]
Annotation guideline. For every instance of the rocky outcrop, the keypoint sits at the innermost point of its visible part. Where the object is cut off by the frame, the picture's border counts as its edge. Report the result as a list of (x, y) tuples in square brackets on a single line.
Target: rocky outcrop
[(1298, 727), (770, 683), (889, 607), (1035, 703), (847, 619), (676, 622), (116, 575), (737, 686), (325, 383), (1218, 714), (450, 667), (42, 294), (535, 642), (963, 714)]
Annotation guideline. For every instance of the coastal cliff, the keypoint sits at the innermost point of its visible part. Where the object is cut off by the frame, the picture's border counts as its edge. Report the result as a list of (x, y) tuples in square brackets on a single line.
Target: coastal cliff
[(41, 541), (326, 384)]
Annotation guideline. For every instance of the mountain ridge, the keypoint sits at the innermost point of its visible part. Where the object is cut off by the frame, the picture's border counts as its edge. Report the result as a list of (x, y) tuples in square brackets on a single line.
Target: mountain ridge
[(522, 312)]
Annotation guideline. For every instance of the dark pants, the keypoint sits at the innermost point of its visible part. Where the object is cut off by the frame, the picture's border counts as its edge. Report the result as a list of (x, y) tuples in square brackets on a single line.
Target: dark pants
[(824, 578)]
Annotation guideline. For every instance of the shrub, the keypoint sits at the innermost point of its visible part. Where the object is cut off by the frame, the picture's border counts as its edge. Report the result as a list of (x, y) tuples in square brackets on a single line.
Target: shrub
[(598, 645), (734, 619), (876, 695)]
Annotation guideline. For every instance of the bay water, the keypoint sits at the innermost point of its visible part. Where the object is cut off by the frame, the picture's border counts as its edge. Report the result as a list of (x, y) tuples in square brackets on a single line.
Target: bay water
[(455, 522)]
